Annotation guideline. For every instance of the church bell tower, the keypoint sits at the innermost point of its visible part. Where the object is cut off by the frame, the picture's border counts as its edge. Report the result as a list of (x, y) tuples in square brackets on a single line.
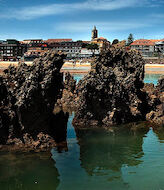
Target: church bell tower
[(94, 33)]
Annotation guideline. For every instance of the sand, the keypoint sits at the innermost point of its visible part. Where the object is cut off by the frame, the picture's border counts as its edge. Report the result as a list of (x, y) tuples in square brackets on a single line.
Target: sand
[(85, 67)]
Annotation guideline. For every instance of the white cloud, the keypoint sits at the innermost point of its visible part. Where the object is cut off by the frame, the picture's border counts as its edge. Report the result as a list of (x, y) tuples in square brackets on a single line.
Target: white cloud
[(33, 12), (107, 26)]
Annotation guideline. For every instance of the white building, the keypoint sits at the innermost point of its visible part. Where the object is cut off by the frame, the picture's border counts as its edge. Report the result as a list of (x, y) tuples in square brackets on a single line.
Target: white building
[(159, 46), (146, 47), (86, 53)]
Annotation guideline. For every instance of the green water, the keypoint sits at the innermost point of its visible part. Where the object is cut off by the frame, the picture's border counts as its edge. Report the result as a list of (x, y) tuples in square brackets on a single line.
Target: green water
[(152, 78), (95, 160)]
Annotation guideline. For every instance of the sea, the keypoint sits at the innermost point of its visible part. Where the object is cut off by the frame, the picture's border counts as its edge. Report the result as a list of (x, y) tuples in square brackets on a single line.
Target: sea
[(94, 160)]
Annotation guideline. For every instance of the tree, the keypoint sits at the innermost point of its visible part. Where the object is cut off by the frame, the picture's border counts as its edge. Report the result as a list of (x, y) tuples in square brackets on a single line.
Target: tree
[(93, 47), (115, 41), (84, 45), (130, 39), (1, 56)]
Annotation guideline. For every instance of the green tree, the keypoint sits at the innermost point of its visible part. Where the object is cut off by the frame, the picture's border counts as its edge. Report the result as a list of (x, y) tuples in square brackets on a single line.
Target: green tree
[(130, 39), (115, 41), (1, 55), (93, 47)]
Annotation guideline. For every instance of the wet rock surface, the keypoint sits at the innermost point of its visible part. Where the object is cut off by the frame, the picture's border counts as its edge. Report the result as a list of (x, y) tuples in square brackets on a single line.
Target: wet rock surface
[(27, 98), (156, 102), (114, 93), (110, 94)]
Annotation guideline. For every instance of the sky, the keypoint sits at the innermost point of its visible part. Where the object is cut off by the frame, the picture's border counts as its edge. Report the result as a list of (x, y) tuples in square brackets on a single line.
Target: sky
[(44, 19)]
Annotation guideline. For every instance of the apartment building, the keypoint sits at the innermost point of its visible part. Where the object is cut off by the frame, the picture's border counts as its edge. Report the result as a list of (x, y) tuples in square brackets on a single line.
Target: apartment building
[(146, 47), (12, 50), (35, 47), (71, 48)]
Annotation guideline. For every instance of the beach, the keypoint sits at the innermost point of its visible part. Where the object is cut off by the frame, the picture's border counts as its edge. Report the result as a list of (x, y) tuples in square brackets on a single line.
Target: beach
[(81, 68), (154, 68)]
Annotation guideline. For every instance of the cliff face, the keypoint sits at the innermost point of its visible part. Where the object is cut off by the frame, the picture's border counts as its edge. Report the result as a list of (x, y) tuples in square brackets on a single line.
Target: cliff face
[(31, 92), (111, 93)]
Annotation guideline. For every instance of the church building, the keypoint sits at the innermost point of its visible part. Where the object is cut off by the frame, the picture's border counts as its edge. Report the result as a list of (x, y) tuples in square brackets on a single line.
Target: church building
[(103, 43), (94, 33)]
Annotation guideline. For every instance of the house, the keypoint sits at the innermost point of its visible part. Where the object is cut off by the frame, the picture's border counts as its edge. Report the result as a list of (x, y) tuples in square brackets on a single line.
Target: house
[(71, 48), (159, 47), (102, 43), (146, 47), (12, 50), (51, 41)]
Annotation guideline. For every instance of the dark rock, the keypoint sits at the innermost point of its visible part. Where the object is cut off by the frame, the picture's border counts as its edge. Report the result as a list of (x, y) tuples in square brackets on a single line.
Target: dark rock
[(27, 98), (156, 103), (67, 102), (69, 83), (160, 84), (111, 93)]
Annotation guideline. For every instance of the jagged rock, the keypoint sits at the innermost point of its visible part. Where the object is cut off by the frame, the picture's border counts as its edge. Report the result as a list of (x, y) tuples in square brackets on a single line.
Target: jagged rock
[(160, 84), (67, 102), (69, 83), (31, 93), (111, 93), (156, 102)]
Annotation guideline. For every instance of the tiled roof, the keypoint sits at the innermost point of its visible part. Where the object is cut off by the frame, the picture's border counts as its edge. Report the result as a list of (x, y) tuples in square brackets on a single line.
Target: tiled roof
[(58, 40), (144, 42), (100, 38), (86, 41)]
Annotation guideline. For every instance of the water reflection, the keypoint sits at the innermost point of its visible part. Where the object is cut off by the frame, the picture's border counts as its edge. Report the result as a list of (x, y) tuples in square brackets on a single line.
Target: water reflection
[(95, 159), (102, 152), (159, 131), (27, 172)]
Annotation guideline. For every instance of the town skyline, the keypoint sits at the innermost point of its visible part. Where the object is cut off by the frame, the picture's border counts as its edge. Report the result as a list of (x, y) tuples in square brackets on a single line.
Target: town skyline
[(75, 19)]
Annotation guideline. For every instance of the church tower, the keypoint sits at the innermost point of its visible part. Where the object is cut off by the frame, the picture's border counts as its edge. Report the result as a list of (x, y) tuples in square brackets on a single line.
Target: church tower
[(94, 33)]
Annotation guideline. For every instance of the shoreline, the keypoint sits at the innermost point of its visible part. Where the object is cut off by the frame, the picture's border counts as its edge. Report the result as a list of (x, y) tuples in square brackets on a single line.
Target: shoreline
[(85, 67)]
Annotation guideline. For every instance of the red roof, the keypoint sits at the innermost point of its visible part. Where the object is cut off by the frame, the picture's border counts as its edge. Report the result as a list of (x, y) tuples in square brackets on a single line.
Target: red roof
[(87, 42), (102, 38), (144, 42), (57, 40)]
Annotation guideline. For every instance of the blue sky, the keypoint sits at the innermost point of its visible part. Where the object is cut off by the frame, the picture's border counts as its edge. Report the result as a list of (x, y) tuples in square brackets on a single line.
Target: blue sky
[(26, 19)]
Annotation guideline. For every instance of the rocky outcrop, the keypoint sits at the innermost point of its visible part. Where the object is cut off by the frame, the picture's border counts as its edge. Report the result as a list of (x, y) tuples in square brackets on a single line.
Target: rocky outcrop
[(160, 85), (69, 83), (27, 102), (68, 101), (156, 102), (7, 115), (111, 93)]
